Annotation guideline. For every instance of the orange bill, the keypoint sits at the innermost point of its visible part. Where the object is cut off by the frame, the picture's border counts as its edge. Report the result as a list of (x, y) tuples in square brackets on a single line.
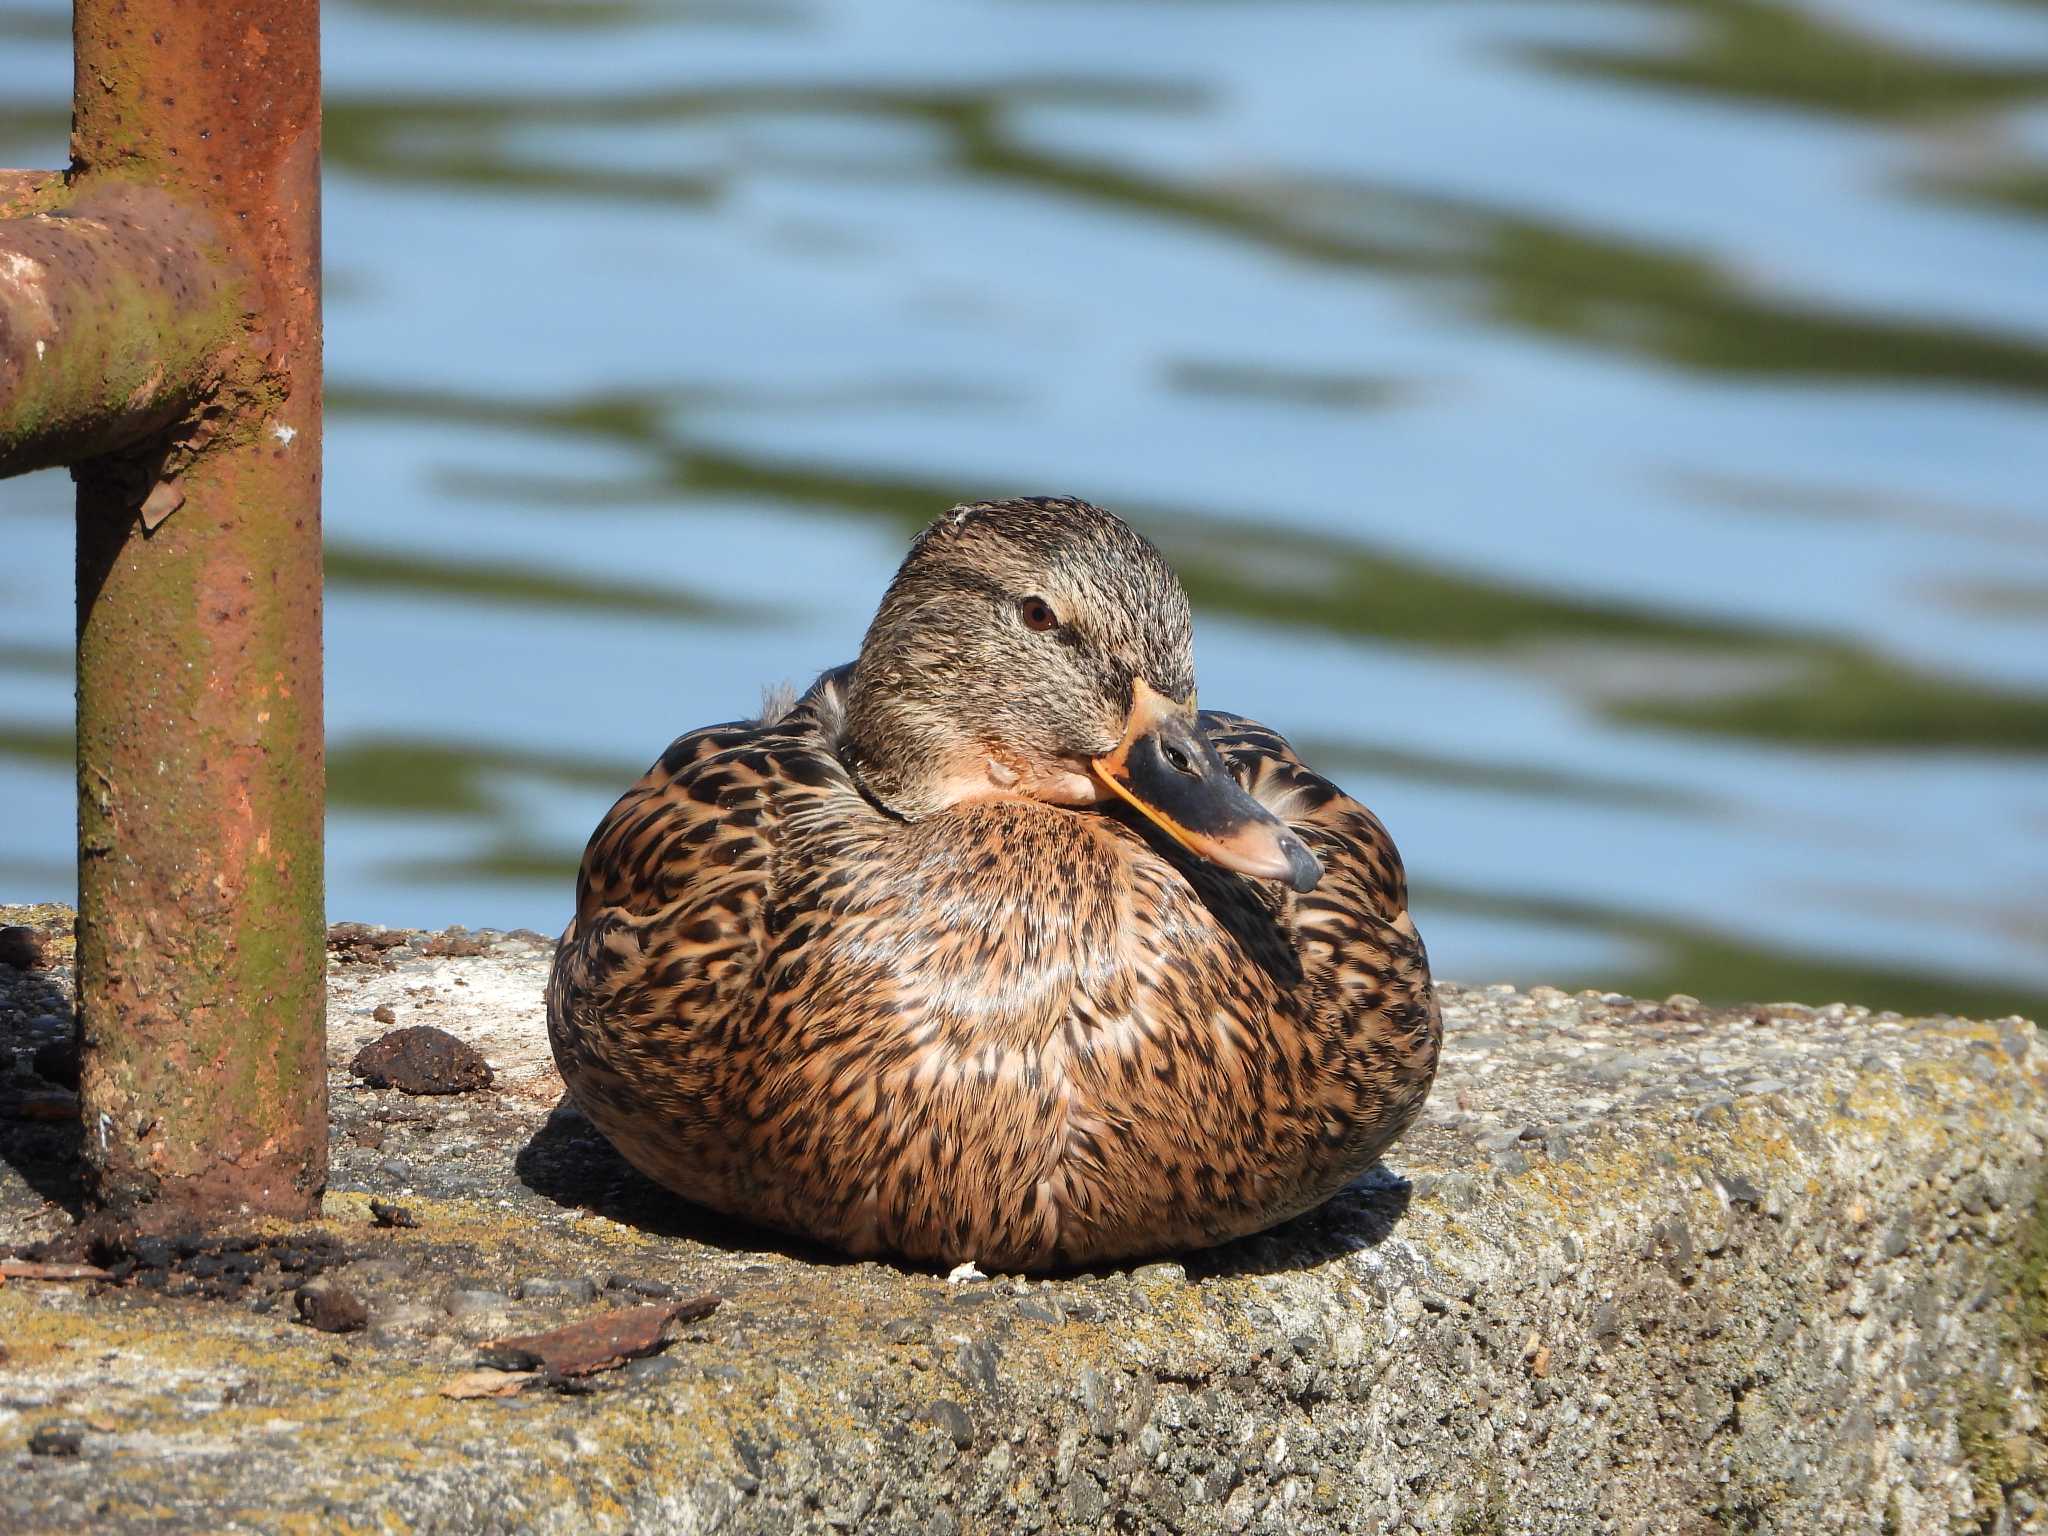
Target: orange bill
[(1167, 768)]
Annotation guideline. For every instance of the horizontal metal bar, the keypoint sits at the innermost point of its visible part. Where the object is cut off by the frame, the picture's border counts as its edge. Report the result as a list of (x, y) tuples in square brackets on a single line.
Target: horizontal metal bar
[(116, 311)]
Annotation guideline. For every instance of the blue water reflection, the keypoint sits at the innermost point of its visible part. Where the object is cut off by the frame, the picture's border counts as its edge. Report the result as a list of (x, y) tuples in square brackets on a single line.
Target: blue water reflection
[(1615, 435)]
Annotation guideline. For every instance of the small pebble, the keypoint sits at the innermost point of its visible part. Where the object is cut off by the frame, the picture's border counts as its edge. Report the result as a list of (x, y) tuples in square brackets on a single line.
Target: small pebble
[(975, 1363), (23, 948), (474, 1303), (952, 1420), (548, 1288), (330, 1309), (634, 1285), (383, 1014), (396, 1168), (1739, 1189), (56, 1061), (385, 1214), (56, 1440), (421, 1060), (652, 1368)]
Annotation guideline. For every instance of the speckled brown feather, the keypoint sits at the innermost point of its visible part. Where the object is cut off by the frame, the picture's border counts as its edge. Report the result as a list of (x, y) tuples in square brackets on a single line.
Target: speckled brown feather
[(1011, 1032)]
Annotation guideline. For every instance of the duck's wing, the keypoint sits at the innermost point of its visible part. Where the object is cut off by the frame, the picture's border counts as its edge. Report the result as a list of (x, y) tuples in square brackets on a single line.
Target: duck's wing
[(667, 928), (675, 893), (1364, 970), (1360, 864)]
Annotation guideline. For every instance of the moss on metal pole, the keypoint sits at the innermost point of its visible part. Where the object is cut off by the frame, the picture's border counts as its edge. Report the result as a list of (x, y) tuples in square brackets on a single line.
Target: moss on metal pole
[(116, 311), (201, 954)]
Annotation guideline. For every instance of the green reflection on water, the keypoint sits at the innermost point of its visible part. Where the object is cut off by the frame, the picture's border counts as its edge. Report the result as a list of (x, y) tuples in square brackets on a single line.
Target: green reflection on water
[(1791, 685), (1847, 504), (34, 25), (1759, 50), (1286, 386), (1723, 968), (590, 15), (1542, 277), (411, 775), (1548, 277), (24, 660), (1352, 761), (39, 744), (2014, 188), (475, 580)]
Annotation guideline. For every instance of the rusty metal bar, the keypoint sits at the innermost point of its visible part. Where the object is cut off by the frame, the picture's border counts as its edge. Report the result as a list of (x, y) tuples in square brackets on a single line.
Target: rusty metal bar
[(201, 954), (115, 311)]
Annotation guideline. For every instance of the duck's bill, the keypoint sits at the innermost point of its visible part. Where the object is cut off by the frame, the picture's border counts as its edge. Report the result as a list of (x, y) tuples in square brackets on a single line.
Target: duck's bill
[(1166, 767)]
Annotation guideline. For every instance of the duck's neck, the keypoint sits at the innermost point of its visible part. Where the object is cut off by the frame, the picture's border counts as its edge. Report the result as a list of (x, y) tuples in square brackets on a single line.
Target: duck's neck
[(916, 760), (905, 754)]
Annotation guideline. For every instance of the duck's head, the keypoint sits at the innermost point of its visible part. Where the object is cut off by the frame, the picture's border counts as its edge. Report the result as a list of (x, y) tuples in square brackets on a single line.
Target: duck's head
[(1043, 648)]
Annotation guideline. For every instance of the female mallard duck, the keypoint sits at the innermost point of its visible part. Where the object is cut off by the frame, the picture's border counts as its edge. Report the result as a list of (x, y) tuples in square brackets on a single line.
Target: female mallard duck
[(991, 948)]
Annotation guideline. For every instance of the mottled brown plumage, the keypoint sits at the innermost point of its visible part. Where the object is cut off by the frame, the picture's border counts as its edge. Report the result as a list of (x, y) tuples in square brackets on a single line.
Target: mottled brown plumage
[(892, 971)]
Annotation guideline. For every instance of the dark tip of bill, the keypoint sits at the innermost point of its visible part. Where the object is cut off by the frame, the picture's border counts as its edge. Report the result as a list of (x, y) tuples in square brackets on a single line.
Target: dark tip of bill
[(1303, 871)]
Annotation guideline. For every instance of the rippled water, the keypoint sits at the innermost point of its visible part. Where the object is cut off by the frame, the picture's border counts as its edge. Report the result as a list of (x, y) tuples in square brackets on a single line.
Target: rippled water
[(1610, 437)]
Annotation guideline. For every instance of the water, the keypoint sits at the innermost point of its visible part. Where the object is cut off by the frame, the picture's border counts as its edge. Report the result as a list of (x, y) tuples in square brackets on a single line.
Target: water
[(1610, 437)]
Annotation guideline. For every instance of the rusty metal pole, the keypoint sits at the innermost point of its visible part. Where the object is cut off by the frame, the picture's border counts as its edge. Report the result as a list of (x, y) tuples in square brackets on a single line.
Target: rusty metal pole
[(201, 955)]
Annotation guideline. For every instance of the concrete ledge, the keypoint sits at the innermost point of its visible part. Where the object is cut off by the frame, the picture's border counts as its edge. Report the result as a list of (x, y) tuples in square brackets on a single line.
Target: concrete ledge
[(1642, 1268)]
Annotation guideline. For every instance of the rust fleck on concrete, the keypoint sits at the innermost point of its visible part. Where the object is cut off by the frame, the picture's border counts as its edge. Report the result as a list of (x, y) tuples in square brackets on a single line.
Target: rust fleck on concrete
[(599, 1343)]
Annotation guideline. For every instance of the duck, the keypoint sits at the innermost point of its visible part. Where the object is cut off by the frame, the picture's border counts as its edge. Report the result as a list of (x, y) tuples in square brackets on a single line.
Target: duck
[(993, 948)]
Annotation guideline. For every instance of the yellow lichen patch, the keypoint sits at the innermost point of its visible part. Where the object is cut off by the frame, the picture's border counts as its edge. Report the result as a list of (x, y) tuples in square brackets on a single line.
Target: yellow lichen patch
[(174, 1388), (54, 922)]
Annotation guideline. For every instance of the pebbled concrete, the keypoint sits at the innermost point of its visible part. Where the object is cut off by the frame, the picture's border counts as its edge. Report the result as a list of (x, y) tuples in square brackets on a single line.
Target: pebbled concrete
[(1643, 1268)]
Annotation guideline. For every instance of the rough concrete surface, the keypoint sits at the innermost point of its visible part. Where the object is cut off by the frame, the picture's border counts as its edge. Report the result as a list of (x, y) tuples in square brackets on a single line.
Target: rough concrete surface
[(1643, 1268)]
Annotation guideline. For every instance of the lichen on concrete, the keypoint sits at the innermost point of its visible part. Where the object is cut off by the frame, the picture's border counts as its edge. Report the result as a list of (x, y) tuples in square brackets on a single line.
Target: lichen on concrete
[(1643, 1267)]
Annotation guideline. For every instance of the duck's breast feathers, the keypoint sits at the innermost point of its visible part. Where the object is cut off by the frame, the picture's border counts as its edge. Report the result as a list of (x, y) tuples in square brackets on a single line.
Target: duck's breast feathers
[(1358, 857)]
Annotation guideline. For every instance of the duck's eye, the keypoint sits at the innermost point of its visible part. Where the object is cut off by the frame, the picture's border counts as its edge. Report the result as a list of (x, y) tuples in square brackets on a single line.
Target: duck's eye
[(1037, 614), (1177, 760)]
